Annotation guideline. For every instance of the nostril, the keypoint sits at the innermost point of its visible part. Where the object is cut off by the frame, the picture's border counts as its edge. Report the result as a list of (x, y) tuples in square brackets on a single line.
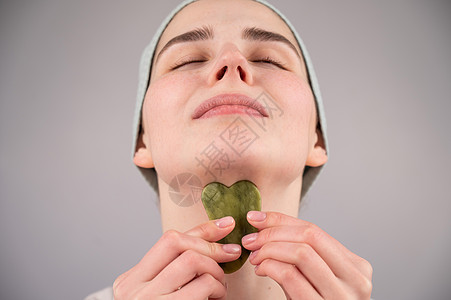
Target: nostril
[(242, 73), (221, 73)]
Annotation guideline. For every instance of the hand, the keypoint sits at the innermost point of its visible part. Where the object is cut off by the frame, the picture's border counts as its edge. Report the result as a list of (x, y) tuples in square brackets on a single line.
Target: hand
[(181, 265), (304, 260)]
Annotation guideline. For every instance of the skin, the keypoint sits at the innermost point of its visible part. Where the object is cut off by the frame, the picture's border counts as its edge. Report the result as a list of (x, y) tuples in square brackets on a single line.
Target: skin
[(291, 258)]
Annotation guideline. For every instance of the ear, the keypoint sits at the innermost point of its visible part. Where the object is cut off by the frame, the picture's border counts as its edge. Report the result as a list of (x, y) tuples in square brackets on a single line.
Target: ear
[(142, 157), (317, 155)]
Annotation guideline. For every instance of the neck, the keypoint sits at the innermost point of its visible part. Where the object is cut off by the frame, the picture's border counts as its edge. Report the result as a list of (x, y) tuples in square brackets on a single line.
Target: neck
[(243, 284)]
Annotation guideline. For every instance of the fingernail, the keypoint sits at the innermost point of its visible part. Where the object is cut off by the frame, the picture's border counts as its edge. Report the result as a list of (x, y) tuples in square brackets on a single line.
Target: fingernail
[(224, 222), (247, 239), (253, 254), (231, 248), (256, 216)]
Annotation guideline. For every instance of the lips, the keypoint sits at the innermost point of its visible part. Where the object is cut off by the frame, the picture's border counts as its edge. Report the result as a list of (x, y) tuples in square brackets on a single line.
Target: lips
[(229, 104)]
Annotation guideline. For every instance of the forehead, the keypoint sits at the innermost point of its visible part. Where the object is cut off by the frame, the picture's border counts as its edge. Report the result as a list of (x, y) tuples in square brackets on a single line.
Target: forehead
[(227, 18)]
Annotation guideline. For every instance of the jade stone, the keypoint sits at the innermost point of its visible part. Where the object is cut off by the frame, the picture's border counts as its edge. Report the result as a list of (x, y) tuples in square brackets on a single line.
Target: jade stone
[(221, 201)]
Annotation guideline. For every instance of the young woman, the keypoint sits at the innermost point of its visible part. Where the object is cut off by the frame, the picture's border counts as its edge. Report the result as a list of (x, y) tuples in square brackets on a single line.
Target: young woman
[(228, 93)]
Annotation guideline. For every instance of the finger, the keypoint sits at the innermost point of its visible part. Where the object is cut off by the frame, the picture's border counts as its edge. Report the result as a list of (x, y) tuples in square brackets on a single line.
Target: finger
[(171, 245), (293, 282), (202, 287), (262, 220), (323, 244), (213, 230), (308, 262), (183, 269)]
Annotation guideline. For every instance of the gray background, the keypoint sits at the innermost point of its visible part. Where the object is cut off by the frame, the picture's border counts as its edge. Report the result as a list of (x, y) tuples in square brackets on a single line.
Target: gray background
[(75, 213)]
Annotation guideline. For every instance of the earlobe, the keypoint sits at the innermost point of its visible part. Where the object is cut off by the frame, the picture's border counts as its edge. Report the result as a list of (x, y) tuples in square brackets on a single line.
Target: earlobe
[(317, 155), (142, 157)]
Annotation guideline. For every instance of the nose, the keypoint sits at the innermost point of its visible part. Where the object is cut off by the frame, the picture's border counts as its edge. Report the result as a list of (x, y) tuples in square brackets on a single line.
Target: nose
[(231, 65)]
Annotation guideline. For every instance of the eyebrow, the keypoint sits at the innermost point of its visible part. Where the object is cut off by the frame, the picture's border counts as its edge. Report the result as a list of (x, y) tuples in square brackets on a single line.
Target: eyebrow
[(250, 33), (199, 34), (258, 34)]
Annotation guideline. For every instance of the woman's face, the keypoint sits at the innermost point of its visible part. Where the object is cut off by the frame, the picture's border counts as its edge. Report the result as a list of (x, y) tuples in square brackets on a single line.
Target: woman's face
[(241, 51)]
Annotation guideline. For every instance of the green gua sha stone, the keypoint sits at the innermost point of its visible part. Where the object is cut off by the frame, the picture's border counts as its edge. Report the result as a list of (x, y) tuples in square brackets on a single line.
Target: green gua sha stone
[(221, 201)]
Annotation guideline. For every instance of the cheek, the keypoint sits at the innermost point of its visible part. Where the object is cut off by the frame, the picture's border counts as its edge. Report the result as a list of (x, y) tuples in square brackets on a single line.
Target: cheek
[(165, 102), (293, 128), (295, 98), (164, 115)]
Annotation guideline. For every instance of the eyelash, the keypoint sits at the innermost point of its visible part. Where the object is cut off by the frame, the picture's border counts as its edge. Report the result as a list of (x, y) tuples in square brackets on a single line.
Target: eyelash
[(185, 62), (267, 59), (270, 60)]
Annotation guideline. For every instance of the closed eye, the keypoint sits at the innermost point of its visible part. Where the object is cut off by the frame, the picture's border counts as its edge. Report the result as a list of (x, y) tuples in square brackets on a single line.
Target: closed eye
[(269, 60), (266, 60), (186, 62)]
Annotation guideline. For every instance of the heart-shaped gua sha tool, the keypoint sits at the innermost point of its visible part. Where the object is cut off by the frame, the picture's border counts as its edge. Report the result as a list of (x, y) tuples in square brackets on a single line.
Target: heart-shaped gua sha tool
[(221, 201)]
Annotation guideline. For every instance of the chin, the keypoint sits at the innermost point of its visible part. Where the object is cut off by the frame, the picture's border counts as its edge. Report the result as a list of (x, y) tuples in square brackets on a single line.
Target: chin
[(262, 163)]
